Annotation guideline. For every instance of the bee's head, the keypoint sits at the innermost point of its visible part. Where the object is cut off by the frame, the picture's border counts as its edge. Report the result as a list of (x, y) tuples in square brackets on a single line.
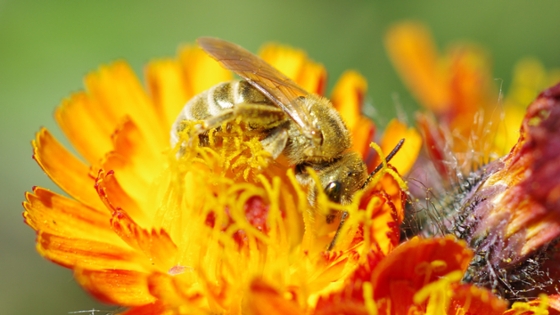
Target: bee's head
[(340, 178)]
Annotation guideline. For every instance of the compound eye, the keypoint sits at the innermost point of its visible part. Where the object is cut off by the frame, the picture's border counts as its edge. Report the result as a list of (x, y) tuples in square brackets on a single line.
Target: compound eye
[(334, 191)]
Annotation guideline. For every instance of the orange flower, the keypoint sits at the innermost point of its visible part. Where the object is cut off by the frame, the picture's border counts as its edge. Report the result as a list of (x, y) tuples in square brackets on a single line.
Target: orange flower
[(421, 276), (221, 228), (457, 89), (505, 208)]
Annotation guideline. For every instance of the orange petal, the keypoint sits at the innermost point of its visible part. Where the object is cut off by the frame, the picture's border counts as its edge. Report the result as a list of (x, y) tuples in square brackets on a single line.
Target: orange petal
[(88, 129), (293, 63), (75, 253), (329, 267), (65, 169), (130, 143), (121, 287), (119, 94), (471, 300), (313, 77), (397, 196), (55, 214), (419, 262), (263, 299), (400, 298), (362, 134), (111, 192), (385, 230), (554, 303), (470, 84), (135, 164), (350, 300), (384, 221), (405, 158), (175, 293), (167, 87), (413, 53), (157, 246), (201, 72), (435, 144), (348, 97)]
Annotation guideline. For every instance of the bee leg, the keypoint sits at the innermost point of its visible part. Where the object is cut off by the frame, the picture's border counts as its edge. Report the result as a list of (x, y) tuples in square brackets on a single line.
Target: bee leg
[(343, 218), (276, 141)]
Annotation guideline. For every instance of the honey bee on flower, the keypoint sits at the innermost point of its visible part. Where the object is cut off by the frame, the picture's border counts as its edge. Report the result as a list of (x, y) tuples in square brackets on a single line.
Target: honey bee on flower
[(304, 127), (221, 221), (219, 228)]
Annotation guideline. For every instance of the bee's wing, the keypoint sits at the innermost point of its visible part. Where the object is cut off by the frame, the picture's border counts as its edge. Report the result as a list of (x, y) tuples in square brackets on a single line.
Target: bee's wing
[(273, 84)]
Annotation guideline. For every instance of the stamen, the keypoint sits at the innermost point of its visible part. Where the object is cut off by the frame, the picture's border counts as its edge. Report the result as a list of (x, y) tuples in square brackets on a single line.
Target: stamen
[(384, 163)]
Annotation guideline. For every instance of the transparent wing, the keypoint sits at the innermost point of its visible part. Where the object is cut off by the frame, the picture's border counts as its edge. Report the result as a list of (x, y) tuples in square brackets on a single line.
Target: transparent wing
[(276, 86)]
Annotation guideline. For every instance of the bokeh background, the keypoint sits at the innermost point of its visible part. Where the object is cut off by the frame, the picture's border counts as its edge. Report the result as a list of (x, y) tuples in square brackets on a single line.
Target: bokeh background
[(46, 47)]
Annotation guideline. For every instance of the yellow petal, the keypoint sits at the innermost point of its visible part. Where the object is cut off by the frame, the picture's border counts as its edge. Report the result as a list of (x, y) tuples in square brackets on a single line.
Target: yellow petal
[(200, 70), (287, 60), (348, 96), (168, 89), (118, 93), (86, 126)]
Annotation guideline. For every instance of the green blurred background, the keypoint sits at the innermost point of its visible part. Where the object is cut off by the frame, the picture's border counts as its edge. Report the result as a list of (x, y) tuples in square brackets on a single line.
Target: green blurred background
[(46, 47)]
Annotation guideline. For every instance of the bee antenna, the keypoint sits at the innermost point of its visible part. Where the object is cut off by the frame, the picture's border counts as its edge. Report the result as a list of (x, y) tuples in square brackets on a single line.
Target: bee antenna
[(387, 159)]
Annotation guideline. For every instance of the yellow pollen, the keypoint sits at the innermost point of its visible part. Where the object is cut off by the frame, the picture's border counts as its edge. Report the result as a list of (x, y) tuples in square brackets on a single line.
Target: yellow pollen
[(385, 169), (540, 309), (428, 268), (371, 307), (438, 293)]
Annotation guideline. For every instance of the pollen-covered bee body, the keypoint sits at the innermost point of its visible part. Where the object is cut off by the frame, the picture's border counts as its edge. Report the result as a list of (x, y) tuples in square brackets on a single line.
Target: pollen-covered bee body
[(229, 100), (220, 103)]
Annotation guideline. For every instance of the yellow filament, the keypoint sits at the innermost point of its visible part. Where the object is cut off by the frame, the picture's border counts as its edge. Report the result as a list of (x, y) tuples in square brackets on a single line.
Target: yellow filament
[(438, 293)]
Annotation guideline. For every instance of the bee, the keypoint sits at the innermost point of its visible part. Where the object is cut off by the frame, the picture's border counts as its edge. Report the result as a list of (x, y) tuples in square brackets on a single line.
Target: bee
[(304, 127)]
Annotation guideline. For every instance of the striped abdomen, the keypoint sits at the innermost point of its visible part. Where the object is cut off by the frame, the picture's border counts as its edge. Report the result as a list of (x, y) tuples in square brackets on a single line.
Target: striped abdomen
[(215, 100)]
